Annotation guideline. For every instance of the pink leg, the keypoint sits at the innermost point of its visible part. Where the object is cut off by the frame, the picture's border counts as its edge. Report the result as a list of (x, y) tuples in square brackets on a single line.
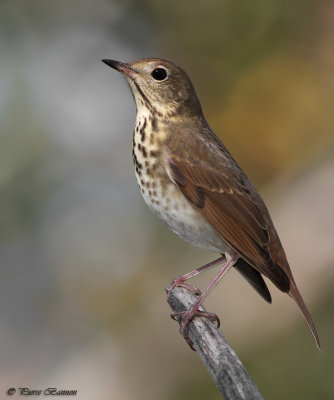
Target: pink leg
[(193, 310), (180, 280)]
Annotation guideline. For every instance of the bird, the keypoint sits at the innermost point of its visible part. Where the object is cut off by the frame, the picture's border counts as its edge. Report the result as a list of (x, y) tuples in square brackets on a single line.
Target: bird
[(193, 184)]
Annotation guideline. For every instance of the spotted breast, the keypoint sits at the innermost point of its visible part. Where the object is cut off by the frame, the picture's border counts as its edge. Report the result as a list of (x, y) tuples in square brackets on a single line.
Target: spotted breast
[(158, 190)]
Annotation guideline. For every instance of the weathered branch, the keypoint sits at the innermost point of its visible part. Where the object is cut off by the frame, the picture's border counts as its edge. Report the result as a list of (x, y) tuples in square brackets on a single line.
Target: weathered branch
[(224, 366)]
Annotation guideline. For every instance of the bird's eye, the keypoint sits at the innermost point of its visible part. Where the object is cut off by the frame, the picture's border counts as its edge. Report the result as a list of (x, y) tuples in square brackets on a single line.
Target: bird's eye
[(159, 74)]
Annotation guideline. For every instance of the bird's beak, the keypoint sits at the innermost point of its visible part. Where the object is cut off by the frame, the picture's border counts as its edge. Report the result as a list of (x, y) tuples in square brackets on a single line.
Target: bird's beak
[(121, 67)]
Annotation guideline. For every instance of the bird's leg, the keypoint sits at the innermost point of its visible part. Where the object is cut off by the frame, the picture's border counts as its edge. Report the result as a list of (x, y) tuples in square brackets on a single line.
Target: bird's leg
[(180, 280), (187, 316)]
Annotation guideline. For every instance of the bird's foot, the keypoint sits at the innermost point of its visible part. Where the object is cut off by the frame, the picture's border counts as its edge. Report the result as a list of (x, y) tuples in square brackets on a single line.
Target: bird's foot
[(179, 282), (184, 317)]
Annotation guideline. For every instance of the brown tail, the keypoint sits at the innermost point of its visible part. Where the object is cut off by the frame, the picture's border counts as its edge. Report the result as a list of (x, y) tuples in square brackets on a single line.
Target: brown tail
[(294, 293)]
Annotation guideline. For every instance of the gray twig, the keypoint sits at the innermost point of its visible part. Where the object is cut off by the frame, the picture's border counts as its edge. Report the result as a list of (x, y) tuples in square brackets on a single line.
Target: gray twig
[(224, 366)]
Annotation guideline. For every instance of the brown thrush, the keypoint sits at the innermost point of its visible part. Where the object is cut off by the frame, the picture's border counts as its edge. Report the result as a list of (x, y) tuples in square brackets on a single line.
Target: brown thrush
[(190, 180)]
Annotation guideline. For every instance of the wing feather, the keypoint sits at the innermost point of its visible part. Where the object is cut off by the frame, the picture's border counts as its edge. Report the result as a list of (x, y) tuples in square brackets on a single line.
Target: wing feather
[(230, 208)]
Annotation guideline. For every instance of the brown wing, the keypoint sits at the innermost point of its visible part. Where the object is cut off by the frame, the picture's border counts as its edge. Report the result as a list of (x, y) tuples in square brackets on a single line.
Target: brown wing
[(212, 181), (230, 203)]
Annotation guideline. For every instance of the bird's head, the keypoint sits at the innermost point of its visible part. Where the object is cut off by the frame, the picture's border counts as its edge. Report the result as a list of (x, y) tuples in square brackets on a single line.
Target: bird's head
[(159, 85)]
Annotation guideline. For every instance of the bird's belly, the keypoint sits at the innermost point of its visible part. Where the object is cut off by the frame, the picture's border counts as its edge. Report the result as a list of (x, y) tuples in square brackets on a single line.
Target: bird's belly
[(169, 204)]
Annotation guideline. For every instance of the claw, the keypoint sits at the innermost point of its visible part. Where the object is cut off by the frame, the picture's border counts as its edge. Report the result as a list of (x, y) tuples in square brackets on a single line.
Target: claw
[(180, 283), (213, 317), (184, 317), (190, 343), (175, 315)]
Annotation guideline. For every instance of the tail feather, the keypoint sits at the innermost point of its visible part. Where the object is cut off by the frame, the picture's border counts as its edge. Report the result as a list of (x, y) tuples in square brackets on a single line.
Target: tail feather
[(294, 293), (254, 278)]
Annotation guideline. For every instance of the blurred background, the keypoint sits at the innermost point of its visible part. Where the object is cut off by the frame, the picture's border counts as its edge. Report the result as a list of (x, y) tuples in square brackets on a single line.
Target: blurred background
[(84, 263)]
